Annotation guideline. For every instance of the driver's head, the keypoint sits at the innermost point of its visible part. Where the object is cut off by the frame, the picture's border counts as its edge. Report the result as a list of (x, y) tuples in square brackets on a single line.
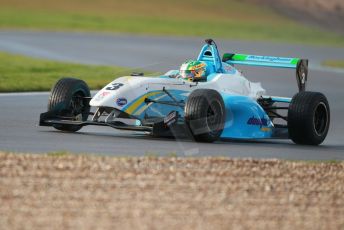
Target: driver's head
[(193, 70)]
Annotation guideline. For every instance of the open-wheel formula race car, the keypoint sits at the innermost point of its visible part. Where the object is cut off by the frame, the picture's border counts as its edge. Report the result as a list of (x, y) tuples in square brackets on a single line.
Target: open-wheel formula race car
[(219, 103)]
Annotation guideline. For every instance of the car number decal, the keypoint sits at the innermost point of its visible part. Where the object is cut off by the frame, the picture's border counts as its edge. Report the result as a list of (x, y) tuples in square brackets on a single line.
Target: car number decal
[(114, 86)]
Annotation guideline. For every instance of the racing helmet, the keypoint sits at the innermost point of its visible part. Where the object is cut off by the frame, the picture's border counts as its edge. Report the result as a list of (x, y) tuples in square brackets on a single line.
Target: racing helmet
[(193, 70)]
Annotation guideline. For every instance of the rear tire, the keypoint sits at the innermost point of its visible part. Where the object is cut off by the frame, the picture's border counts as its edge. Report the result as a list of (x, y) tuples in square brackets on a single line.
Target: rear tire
[(308, 118), (205, 115), (67, 100)]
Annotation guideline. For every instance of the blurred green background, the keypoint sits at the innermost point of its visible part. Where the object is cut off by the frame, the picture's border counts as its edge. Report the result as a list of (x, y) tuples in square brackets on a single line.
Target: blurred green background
[(20, 73), (231, 19)]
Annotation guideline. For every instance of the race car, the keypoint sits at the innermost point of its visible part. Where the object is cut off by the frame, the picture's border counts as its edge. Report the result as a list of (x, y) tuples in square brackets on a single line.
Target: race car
[(207, 99)]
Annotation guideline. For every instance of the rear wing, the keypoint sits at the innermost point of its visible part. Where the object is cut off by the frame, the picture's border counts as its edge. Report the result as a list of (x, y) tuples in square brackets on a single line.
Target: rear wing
[(300, 65)]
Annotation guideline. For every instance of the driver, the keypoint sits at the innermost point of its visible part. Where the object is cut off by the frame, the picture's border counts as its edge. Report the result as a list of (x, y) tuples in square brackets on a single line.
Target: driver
[(193, 71)]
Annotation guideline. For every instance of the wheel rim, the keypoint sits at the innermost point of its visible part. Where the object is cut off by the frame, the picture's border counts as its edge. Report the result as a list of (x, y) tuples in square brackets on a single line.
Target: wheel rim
[(214, 117), (320, 119)]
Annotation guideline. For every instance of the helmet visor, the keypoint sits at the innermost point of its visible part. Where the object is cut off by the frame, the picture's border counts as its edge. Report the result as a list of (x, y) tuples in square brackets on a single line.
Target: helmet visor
[(187, 74)]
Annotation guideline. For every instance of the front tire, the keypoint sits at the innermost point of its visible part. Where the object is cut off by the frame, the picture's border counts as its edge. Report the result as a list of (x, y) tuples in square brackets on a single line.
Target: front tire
[(308, 118), (205, 115), (67, 99)]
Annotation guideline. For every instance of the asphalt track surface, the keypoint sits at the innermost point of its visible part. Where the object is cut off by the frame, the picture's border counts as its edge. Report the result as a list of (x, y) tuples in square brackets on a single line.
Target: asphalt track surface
[(20, 112)]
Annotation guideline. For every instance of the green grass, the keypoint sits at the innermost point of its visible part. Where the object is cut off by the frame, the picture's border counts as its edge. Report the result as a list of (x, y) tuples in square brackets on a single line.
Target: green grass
[(208, 18), (20, 73), (334, 63)]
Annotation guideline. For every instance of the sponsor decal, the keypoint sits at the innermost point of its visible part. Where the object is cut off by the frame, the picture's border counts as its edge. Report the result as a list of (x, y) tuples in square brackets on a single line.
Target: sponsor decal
[(257, 121), (265, 129), (269, 59), (102, 95), (121, 101)]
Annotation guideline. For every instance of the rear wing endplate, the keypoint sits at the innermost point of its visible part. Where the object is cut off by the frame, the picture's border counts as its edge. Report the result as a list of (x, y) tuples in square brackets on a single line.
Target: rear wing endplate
[(300, 65)]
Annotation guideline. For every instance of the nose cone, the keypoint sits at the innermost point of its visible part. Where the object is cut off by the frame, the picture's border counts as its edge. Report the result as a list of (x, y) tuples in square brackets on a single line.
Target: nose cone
[(100, 97), (119, 92), (107, 96)]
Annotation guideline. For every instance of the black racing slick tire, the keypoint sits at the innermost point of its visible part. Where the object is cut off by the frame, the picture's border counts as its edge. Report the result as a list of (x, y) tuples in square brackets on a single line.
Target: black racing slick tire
[(205, 115), (67, 100), (308, 118)]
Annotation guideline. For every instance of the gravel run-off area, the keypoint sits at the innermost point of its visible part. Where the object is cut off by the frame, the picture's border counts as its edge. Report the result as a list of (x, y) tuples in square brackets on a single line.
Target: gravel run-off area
[(95, 192)]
